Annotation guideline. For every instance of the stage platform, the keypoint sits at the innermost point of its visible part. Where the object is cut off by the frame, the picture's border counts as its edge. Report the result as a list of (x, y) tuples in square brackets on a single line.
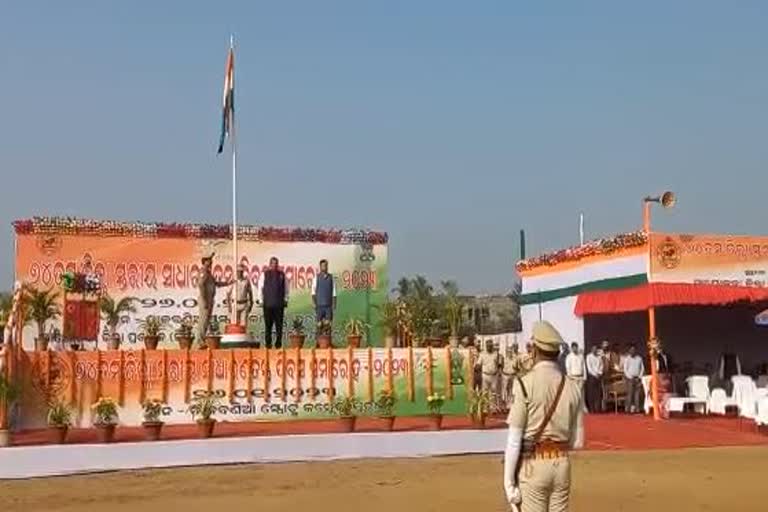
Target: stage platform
[(272, 444)]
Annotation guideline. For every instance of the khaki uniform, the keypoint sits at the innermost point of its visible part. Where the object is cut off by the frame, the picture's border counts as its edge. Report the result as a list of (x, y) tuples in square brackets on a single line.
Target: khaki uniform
[(489, 366), (526, 363), (244, 300), (510, 370), (545, 481), (206, 301)]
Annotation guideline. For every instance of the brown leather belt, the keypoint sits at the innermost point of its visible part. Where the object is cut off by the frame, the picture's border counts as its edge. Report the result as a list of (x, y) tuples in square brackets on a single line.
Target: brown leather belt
[(546, 449)]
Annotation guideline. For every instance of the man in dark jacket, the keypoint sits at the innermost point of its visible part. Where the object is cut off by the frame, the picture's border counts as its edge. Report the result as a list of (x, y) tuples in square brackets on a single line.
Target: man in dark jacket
[(273, 294)]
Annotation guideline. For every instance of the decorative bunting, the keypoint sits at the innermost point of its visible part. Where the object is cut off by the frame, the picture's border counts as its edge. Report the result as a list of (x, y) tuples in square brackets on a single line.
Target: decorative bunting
[(601, 246), (75, 226)]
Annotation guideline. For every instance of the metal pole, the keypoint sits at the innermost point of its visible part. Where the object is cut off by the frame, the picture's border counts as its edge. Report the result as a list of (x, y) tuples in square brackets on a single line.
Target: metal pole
[(651, 321), (233, 320)]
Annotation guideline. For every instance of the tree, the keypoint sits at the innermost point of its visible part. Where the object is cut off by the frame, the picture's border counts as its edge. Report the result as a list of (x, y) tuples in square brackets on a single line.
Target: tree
[(40, 306)]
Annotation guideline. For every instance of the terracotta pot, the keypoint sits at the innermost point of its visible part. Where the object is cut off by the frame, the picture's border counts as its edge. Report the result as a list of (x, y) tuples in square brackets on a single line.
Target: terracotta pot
[(205, 428), (105, 432), (5, 438), (324, 341), (58, 433), (213, 342), (346, 424), (41, 344), (185, 342), (478, 422), (114, 342), (435, 421), (388, 422), (150, 342), (152, 430), (354, 340), (297, 340)]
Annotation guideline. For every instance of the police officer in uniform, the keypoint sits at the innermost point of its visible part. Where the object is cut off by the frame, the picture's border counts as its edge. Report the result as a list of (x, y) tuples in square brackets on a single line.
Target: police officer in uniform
[(545, 422), (206, 296)]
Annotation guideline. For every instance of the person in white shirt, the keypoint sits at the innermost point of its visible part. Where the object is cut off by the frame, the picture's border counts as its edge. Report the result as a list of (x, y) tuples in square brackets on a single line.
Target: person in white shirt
[(634, 369), (595, 369), (575, 367)]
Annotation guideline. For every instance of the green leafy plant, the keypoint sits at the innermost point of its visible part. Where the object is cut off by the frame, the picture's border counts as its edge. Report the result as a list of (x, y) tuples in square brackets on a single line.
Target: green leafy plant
[(355, 327), (204, 407), (59, 415), (41, 306), (479, 404), (152, 410), (389, 317), (185, 328), (6, 304), (435, 403), (9, 391), (385, 403), (453, 308), (345, 406), (324, 327), (297, 326), (112, 311), (151, 326), (105, 410)]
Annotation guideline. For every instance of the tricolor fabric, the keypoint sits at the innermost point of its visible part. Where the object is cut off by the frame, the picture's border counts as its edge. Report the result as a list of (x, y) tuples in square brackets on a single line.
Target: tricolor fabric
[(228, 103)]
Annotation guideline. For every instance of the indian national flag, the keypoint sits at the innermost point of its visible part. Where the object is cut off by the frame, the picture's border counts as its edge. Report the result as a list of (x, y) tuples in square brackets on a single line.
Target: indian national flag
[(228, 108)]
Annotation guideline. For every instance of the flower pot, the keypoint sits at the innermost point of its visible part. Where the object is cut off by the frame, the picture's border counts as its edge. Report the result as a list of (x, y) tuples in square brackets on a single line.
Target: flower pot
[(213, 342), (435, 421), (354, 340), (58, 433), (388, 422), (106, 432), (41, 344), (323, 341), (205, 428), (185, 342), (150, 342), (5, 438), (152, 430), (346, 424), (114, 342), (478, 422), (297, 340)]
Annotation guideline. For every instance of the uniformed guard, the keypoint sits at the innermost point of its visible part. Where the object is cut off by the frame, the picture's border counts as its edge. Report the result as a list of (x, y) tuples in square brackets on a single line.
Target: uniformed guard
[(509, 371), (244, 296), (545, 422), (207, 296)]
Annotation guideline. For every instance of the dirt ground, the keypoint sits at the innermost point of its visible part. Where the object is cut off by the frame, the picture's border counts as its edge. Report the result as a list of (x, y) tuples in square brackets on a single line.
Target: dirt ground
[(731, 479)]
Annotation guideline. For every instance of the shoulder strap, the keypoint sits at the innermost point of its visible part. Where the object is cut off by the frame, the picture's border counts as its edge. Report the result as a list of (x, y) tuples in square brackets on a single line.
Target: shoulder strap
[(522, 388), (550, 412)]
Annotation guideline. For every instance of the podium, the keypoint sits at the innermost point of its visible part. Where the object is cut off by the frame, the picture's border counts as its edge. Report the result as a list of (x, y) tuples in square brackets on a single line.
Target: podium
[(236, 336)]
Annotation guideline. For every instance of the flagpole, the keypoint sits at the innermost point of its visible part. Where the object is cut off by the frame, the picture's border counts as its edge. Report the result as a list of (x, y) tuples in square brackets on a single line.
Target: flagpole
[(233, 320)]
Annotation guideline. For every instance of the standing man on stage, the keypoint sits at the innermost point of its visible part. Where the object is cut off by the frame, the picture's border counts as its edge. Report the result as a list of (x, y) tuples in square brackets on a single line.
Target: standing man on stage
[(545, 423), (244, 297), (206, 296), (509, 371), (324, 294), (273, 294), (490, 365), (594, 389)]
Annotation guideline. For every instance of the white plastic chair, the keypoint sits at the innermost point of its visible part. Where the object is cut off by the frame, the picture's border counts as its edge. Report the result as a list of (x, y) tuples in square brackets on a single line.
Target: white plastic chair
[(745, 395), (698, 394), (719, 401)]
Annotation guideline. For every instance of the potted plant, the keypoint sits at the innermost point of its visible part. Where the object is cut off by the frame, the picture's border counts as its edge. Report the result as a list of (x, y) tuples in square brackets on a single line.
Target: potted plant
[(59, 421), (324, 330), (479, 406), (6, 304), (151, 326), (297, 336), (213, 336), (106, 417), (41, 307), (355, 329), (9, 393), (184, 334), (435, 403), (389, 320), (385, 406), (112, 311), (152, 424), (345, 408), (203, 408)]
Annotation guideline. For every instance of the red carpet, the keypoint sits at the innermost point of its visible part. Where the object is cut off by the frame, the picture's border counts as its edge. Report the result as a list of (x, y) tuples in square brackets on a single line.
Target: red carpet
[(604, 432)]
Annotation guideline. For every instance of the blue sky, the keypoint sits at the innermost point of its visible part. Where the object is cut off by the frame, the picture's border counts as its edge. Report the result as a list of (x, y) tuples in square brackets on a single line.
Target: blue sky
[(449, 124)]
